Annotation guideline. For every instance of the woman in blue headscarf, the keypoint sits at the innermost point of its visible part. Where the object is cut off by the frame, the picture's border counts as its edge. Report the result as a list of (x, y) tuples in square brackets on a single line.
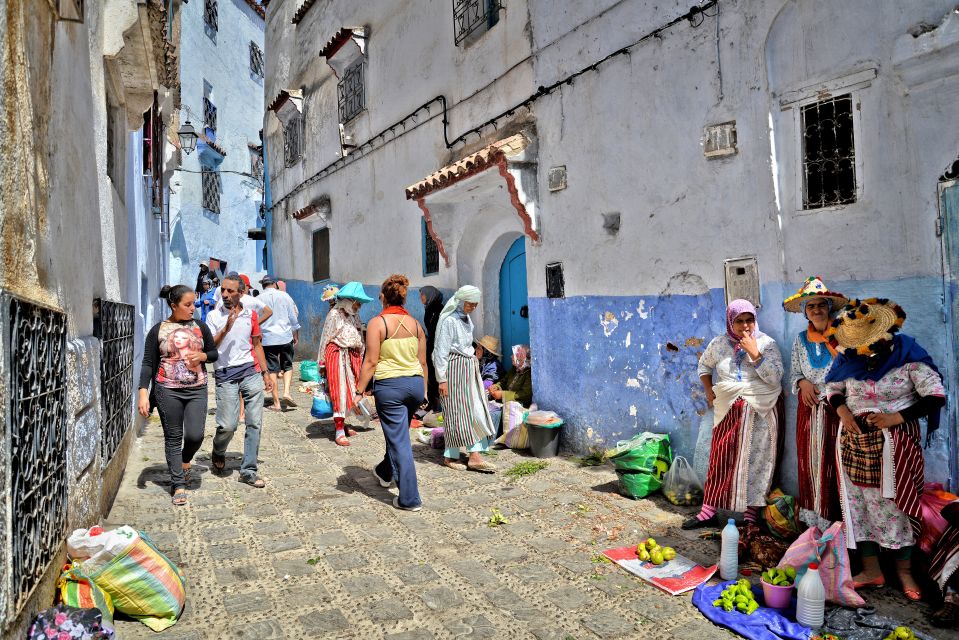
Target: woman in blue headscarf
[(881, 384), (466, 418)]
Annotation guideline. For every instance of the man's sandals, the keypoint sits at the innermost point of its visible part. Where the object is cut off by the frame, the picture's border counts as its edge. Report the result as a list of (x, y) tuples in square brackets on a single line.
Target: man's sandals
[(253, 481), (180, 497)]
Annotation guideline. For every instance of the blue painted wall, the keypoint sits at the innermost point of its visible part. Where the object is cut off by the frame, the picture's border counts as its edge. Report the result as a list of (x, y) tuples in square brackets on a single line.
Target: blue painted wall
[(617, 366)]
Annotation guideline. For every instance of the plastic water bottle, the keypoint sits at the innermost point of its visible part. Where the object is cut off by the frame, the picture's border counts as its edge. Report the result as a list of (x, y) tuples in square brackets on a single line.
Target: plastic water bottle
[(811, 599), (729, 553)]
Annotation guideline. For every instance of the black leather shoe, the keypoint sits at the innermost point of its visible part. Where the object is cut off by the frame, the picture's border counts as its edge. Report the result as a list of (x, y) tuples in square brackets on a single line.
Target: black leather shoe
[(696, 523)]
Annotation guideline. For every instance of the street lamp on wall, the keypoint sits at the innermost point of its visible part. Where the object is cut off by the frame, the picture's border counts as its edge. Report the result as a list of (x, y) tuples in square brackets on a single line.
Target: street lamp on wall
[(187, 135)]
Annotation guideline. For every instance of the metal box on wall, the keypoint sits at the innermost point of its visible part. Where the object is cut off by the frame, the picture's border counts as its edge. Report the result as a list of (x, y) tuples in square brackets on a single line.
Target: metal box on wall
[(742, 279)]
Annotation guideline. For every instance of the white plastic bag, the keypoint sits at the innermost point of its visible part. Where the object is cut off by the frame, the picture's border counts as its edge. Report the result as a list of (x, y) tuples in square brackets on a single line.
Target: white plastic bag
[(95, 547), (681, 486)]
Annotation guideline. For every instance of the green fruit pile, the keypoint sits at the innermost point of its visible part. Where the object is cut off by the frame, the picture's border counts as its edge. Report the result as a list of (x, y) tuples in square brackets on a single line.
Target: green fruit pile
[(780, 577), (693, 496), (650, 551), (902, 633), (738, 596)]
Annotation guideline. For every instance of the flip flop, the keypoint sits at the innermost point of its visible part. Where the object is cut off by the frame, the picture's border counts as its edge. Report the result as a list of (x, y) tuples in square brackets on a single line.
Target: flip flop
[(483, 467), (290, 402), (276, 409), (180, 498), (342, 441), (254, 481), (455, 466)]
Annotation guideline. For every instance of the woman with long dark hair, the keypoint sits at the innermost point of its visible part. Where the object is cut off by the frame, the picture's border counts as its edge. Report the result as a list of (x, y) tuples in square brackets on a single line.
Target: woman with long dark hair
[(432, 301), (173, 378)]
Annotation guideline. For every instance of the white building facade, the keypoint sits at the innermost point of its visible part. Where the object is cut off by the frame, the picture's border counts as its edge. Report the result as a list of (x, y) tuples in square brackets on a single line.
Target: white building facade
[(218, 192), (87, 148), (610, 173)]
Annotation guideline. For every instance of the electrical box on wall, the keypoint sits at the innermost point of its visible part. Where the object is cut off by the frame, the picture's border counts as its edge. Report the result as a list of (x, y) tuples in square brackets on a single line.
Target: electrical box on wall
[(719, 140), (742, 279)]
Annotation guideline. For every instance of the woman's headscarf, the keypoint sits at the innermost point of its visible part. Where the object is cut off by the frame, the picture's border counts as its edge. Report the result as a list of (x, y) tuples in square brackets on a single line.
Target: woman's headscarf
[(432, 308), (346, 304), (733, 311), (521, 357), (466, 293)]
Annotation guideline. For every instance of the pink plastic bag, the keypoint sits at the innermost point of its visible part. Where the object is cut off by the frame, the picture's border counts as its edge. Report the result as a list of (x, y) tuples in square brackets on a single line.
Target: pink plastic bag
[(829, 550), (934, 498)]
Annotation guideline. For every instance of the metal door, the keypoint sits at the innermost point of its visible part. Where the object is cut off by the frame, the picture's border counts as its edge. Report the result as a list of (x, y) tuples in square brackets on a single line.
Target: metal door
[(514, 310)]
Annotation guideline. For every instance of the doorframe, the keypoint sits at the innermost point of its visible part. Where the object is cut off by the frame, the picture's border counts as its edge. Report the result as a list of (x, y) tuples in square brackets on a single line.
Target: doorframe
[(950, 373), (503, 341)]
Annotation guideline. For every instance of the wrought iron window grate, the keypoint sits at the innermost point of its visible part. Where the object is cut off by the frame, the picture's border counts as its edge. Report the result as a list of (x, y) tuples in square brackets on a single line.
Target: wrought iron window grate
[(474, 16), (210, 14), (256, 60), (829, 153), (211, 190), (352, 96), (34, 359), (113, 323), (209, 115), (293, 140), (256, 164), (431, 253)]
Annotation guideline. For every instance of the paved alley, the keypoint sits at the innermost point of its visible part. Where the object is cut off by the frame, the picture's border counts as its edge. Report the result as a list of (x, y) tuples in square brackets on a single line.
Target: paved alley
[(248, 555)]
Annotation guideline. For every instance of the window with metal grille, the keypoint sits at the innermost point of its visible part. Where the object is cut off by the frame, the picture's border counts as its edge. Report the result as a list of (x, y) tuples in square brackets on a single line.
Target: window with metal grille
[(256, 60), (209, 115), (829, 153), (211, 190), (256, 164), (35, 424), (210, 14), (352, 97), (321, 254), (474, 17), (293, 140), (431, 253), (113, 324)]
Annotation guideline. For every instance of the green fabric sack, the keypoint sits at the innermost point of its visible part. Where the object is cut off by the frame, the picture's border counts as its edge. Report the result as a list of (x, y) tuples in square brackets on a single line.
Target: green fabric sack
[(641, 462), (309, 371)]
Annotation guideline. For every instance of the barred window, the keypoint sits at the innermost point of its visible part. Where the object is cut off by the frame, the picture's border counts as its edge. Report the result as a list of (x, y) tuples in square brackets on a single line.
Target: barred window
[(431, 253), (829, 153), (209, 115), (211, 190), (474, 17), (256, 60), (113, 323), (256, 164), (321, 254), (352, 97), (293, 140), (210, 14)]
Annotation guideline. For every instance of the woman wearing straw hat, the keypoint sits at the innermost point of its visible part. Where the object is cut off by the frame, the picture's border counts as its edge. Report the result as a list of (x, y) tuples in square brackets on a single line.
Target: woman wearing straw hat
[(487, 352), (747, 413), (817, 425), (466, 418), (341, 349), (881, 383)]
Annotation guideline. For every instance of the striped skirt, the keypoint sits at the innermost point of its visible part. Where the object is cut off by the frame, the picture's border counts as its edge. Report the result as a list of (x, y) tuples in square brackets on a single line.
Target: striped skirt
[(743, 457), (466, 418), (342, 371), (817, 431), (945, 557)]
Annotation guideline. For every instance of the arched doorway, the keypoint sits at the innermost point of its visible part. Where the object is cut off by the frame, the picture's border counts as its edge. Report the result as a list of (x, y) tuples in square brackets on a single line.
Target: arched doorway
[(514, 309)]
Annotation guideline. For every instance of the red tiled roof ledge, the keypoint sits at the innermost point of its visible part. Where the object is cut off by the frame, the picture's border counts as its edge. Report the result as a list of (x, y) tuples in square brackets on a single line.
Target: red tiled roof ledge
[(278, 101), (332, 45), (213, 145), (306, 211), (468, 166), (302, 10), (257, 8)]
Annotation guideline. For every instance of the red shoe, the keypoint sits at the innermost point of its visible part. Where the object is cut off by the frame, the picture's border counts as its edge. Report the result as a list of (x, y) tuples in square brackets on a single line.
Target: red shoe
[(416, 424), (913, 594), (342, 441), (869, 584)]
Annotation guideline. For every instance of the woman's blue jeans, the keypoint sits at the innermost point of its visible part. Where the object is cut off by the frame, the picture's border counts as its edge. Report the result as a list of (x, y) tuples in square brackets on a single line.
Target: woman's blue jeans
[(397, 399)]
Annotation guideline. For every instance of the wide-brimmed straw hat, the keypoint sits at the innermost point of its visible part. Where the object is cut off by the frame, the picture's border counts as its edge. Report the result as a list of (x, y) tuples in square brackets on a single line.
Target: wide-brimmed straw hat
[(329, 292), (865, 327), (491, 344), (813, 287)]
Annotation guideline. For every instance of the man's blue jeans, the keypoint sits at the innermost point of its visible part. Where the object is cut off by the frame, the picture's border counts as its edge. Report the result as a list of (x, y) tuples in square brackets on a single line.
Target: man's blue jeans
[(228, 415)]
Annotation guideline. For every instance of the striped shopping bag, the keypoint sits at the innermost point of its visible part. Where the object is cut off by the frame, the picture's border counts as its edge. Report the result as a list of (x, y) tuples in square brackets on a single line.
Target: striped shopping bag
[(79, 590), (144, 584)]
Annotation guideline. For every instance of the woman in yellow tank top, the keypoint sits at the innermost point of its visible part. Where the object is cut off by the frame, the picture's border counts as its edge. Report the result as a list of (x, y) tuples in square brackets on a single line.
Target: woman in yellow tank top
[(396, 357)]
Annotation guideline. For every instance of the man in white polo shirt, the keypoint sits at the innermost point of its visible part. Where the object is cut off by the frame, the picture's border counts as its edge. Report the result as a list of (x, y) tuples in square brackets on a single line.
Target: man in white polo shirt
[(240, 372), (280, 335)]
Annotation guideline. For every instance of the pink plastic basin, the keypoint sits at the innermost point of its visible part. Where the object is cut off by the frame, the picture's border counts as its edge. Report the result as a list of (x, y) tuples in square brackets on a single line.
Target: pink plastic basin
[(777, 597)]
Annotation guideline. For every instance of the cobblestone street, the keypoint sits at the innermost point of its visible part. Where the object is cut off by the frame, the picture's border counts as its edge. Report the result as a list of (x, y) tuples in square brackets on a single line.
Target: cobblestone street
[(383, 573)]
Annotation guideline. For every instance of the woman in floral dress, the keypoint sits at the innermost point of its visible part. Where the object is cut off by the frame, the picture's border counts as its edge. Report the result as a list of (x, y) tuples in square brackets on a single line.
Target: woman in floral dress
[(881, 384), (817, 425)]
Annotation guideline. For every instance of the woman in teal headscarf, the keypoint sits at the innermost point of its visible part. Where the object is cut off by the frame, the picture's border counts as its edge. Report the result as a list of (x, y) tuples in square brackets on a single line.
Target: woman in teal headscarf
[(466, 418)]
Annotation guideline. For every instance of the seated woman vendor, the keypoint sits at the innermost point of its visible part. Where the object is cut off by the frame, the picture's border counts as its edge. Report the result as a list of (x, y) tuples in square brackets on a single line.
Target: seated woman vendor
[(519, 380)]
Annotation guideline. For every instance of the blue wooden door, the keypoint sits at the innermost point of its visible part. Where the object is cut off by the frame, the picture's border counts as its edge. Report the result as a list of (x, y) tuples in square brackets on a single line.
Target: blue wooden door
[(514, 316), (949, 208)]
